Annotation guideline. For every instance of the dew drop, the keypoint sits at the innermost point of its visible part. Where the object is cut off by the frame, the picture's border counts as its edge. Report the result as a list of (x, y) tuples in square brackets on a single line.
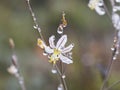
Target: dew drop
[(60, 30), (63, 76), (35, 27), (34, 19), (60, 87), (112, 49), (114, 58), (54, 71)]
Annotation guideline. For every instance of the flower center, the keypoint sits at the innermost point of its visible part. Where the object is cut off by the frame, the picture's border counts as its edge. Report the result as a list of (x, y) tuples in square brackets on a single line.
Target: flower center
[(55, 56)]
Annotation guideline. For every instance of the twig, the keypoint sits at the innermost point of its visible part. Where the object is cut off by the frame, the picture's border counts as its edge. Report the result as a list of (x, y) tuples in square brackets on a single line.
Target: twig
[(107, 11), (115, 83), (14, 68), (36, 26), (62, 79), (107, 74), (114, 56), (21, 81), (114, 49)]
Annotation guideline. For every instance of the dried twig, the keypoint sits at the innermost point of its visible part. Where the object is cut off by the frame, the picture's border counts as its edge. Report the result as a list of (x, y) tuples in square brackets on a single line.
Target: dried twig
[(14, 68)]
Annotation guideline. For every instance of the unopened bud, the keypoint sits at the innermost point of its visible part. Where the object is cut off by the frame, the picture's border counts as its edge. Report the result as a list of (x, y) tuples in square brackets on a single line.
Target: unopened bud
[(11, 42), (12, 70)]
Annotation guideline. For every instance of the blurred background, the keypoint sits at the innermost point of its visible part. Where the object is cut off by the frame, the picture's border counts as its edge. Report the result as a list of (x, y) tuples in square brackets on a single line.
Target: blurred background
[(92, 35)]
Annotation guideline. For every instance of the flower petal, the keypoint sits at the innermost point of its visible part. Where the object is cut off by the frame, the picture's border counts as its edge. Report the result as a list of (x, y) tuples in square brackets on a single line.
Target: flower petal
[(48, 50), (117, 1), (92, 4), (51, 41), (65, 59), (100, 3), (68, 48), (116, 8), (100, 10), (61, 42), (116, 21)]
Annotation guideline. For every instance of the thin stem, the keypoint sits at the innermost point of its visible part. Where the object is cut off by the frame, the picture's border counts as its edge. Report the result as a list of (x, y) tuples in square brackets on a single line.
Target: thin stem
[(21, 81), (112, 3), (62, 80), (114, 55), (107, 74), (34, 19), (115, 83), (61, 67), (114, 51), (14, 68), (107, 11)]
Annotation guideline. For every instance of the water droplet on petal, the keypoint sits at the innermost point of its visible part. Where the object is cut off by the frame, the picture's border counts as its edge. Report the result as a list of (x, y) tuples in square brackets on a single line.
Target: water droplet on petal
[(63, 76), (54, 71)]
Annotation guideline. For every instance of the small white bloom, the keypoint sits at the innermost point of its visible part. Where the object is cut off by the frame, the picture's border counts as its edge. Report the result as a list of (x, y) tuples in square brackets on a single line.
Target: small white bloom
[(116, 8), (118, 1), (116, 21), (100, 10), (97, 5), (58, 51)]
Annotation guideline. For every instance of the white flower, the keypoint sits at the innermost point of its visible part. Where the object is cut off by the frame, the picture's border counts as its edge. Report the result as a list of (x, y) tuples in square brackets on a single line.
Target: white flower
[(116, 21), (118, 1), (116, 8), (97, 5), (58, 51)]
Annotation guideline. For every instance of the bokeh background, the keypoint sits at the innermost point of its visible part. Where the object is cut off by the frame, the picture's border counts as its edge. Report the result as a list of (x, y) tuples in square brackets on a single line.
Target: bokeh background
[(92, 35)]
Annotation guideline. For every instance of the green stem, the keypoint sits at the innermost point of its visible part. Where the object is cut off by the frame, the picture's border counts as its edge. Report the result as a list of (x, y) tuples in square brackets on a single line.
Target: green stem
[(115, 83), (62, 80)]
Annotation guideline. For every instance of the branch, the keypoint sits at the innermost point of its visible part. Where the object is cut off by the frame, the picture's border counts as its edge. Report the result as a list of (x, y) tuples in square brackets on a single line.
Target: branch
[(36, 26)]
